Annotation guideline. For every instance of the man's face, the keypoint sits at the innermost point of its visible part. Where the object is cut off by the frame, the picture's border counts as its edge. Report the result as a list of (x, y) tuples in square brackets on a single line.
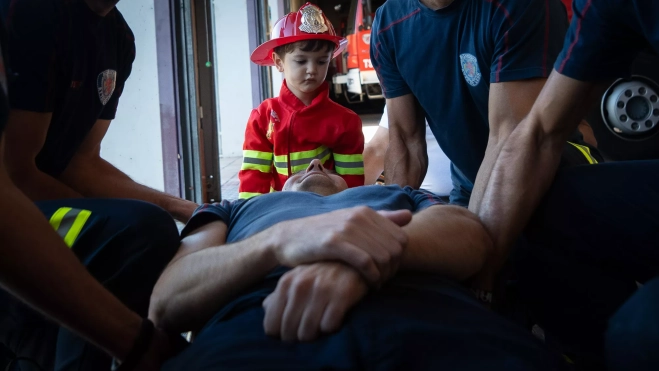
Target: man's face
[(304, 71), (316, 179)]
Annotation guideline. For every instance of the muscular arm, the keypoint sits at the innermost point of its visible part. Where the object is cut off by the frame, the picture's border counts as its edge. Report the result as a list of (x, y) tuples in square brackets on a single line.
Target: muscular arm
[(38, 267), (509, 103), (374, 152), (92, 176), (524, 168), (406, 159), (25, 136), (446, 240)]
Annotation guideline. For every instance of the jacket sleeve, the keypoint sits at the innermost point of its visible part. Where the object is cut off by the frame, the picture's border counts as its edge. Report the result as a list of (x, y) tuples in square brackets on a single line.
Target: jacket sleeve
[(347, 153), (255, 174)]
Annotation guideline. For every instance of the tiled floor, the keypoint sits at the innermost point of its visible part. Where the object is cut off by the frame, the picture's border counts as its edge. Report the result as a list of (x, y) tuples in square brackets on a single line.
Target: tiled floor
[(229, 166)]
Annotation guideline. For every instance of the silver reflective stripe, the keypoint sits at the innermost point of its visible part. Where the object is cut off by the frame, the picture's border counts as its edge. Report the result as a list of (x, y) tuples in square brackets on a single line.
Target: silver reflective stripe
[(281, 165), (257, 161), (348, 164), (304, 161), (67, 222)]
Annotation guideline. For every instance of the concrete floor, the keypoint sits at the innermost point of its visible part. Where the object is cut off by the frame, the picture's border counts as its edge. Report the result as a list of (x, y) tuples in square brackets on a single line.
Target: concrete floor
[(229, 166)]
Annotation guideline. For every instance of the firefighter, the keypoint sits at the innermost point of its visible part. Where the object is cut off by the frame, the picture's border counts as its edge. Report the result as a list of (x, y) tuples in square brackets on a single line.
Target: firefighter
[(284, 133), (40, 266), (474, 71), (610, 212), (68, 64)]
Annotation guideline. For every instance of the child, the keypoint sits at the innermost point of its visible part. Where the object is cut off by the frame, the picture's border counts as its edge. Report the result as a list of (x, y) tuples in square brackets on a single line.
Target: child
[(285, 133)]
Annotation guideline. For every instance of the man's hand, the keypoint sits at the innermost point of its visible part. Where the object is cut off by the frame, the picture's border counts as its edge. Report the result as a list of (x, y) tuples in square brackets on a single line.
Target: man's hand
[(312, 299), (371, 242)]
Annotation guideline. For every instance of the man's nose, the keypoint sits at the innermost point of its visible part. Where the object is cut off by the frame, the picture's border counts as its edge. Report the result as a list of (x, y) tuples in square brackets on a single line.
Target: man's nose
[(315, 165)]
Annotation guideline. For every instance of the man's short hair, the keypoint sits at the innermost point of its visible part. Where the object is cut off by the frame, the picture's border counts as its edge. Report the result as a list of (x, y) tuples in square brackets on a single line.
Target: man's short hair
[(312, 45)]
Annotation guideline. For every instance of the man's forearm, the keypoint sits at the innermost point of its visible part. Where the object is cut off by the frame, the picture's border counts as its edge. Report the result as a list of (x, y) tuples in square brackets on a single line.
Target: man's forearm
[(37, 267), (527, 163), (405, 164), (446, 240), (193, 287), (98, 178)]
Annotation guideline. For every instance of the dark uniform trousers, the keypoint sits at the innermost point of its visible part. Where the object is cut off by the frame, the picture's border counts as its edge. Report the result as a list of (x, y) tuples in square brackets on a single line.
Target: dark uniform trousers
[(124, 244)]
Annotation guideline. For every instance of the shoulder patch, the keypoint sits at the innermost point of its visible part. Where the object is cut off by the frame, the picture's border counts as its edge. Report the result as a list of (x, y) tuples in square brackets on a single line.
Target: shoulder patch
[(470, 69), (105, 83)]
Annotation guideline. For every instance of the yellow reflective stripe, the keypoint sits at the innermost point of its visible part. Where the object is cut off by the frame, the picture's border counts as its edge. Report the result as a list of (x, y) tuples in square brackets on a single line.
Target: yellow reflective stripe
[(349, 170), (311, 154), (248, 194), (261, 168), (281, 164), (68, 223), (257, 154), (586, 152), (348, 158), (76, 228), (57, 217)]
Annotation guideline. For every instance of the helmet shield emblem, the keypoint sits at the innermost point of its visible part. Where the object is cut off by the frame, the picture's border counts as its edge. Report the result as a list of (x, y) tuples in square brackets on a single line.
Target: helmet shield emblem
[(312, 20)]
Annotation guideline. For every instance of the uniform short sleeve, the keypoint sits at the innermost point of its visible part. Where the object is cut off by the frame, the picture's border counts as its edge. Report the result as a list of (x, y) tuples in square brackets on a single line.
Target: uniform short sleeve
[(598, 45), (423, 199), (127, 57), (208, 213), (527, 38), (383, 60), (33, 59)]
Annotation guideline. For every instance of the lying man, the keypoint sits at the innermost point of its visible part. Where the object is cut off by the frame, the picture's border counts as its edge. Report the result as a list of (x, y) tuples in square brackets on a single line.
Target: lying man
[(319, 263)]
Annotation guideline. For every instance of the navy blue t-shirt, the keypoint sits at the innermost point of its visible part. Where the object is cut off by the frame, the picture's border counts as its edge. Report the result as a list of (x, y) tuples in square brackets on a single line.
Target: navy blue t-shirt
[(449, 57), (66, 60), (247, 217), (605, 36)]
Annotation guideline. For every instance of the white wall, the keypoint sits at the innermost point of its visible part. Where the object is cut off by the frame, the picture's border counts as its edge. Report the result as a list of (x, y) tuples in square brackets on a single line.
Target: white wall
[(234, 87), (133, 143)]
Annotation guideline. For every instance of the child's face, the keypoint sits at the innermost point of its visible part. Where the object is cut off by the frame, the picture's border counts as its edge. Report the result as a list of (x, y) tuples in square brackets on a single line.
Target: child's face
[(304, 71)]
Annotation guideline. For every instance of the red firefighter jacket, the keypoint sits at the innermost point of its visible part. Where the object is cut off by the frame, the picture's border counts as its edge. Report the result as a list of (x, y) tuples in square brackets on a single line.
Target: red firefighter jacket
[(283, 136)]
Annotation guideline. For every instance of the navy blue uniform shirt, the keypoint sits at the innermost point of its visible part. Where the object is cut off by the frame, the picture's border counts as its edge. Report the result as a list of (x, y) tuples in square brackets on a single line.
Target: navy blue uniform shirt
[(605, 36), (66, 60), (449, 57)]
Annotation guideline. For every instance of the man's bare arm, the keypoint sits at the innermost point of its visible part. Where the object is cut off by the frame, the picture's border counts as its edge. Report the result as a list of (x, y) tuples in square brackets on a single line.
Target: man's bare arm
[(527, 163), (374, 152), (25, 136), (406, 160), (446, 240), (509, 103), (92, 176)]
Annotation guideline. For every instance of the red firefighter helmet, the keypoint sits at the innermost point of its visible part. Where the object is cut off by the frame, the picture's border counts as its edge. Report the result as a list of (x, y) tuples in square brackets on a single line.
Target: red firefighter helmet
[(308, 23)]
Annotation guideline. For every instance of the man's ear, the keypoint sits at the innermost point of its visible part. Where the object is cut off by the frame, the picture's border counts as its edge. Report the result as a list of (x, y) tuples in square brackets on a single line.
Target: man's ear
[(279, 62)]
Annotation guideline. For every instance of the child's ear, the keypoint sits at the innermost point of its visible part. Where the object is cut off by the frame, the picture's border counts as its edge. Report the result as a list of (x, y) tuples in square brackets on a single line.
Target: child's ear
[(279, 63)]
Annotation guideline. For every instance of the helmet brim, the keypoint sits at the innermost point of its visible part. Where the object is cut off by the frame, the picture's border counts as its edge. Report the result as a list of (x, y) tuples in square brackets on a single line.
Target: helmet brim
[(263, 54)]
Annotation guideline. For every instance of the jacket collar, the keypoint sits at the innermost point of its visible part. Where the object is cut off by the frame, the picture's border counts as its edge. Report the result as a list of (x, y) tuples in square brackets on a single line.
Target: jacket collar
[(287, 98)]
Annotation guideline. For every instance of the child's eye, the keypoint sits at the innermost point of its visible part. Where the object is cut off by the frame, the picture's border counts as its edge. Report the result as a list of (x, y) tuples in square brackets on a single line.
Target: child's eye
[(322, 62), (300, 62)]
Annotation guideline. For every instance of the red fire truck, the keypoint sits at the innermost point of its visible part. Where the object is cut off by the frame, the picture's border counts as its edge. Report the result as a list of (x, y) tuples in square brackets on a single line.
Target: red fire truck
[(355, 79)]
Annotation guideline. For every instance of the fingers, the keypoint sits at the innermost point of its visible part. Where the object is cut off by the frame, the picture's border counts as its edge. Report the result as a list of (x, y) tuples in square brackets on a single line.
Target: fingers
[(358, 258), (274, 306), (309, 328)]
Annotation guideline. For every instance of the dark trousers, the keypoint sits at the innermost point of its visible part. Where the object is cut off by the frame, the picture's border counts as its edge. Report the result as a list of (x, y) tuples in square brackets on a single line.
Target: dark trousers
[(125, 245), (416, 322), (594, 237)]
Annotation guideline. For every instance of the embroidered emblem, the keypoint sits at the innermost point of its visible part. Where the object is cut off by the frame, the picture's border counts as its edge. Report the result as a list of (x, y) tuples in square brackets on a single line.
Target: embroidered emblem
[(271, 125), (470, 69), (105, 83), (312, 20)]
